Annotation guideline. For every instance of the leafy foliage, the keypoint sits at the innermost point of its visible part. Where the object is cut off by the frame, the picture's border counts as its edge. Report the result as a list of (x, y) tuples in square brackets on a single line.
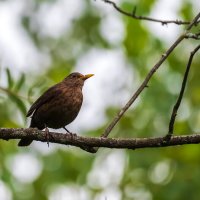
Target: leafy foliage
[(171, 173)]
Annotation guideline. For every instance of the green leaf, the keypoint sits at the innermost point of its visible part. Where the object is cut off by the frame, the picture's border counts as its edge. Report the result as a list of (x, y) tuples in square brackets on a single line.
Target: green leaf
[(19, 83), (30, 94), (9, 78), (19, 103)]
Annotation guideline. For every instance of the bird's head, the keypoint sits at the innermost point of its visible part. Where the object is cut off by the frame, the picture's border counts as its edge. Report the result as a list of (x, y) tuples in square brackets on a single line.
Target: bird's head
[(77, 79)]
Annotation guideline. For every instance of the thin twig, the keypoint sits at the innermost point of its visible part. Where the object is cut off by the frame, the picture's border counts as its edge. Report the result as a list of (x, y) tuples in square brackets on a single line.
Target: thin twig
[(146, 80), (195, 36), (142, 86), (133, 15), (194, 22), (176, 106), (78, 141)]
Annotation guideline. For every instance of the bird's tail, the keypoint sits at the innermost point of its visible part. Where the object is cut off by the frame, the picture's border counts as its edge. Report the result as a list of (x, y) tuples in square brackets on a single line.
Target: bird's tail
[(25, 142)]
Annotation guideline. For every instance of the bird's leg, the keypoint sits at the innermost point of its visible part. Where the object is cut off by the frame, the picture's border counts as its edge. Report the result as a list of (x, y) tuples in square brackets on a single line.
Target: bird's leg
[(67, 130), (47, 134), (70, 133)]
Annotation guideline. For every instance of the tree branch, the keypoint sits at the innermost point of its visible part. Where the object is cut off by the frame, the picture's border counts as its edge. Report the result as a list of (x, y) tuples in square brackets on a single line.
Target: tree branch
[(79, 141), (134, 16), (141, 87), (148, 77), (176, 106), (193, 22)]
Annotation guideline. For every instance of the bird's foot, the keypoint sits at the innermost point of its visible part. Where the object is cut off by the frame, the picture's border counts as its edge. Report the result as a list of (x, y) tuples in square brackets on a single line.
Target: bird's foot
[(72, 135)]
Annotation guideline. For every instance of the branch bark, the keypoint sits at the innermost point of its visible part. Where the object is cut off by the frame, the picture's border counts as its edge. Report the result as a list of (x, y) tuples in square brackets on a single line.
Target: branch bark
[(142, 86), (178, 102), (185, 35), (79, 141), (134, 16)]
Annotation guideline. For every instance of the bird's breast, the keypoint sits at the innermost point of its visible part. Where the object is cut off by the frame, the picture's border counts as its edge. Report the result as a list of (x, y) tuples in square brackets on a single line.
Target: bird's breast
[(69, 104)]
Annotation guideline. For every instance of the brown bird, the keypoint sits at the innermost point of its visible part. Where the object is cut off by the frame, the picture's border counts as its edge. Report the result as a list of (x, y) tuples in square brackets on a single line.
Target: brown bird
[(58, 106)]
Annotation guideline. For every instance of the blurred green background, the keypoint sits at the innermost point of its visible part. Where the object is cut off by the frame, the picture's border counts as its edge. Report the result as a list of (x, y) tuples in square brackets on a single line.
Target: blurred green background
[(42, 41)]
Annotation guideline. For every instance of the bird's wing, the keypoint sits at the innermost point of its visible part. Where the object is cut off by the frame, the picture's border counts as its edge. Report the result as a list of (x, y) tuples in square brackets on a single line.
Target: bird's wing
[(46, 97)]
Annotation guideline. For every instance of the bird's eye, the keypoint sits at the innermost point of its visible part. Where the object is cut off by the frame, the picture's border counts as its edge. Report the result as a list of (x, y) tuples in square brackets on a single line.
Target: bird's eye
[(75, 75)]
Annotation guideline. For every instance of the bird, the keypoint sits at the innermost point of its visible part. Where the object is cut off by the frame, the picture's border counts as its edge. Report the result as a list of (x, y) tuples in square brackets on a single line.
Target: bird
[(58, 106)]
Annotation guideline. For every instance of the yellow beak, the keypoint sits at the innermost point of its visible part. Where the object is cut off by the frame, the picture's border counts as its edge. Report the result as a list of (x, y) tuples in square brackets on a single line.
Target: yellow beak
[(87, 76)]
